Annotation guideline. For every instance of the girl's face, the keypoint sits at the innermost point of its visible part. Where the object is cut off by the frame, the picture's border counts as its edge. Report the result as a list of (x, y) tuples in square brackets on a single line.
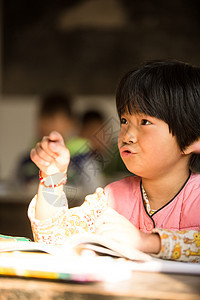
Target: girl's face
[(146, 146)]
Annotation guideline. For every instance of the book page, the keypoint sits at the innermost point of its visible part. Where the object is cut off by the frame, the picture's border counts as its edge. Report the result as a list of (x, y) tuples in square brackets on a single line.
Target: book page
[(105, 246), (76, 243)]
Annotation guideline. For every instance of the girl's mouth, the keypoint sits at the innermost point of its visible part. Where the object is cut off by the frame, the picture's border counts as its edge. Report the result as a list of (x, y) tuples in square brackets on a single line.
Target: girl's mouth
[(126, 153)]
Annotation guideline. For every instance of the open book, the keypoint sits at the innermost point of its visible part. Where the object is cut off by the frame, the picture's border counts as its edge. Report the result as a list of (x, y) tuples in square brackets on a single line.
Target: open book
[(84, 258), (75, 245), (77, 260)]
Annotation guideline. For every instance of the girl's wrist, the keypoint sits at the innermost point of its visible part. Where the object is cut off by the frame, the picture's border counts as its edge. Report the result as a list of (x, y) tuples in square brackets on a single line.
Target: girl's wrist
[(150, 243), (52, 181), (42, 174)]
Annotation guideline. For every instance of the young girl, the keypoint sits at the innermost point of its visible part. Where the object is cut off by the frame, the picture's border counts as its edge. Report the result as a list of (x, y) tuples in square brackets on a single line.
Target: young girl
[(158, 209)]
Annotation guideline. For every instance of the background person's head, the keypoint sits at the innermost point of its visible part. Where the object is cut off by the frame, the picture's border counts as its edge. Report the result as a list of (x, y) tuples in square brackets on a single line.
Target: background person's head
[(91, 124), (56, 114)]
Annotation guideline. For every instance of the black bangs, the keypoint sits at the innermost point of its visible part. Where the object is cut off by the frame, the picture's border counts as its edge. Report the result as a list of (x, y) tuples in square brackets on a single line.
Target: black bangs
[(140, 92)]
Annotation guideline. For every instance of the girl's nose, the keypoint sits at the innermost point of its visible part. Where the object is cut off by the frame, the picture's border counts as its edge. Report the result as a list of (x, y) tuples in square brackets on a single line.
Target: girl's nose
[(128, 137)]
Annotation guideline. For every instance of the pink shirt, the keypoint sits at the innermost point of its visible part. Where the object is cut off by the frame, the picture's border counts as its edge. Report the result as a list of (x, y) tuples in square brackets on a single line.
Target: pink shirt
[(180, 213), (125, 196)]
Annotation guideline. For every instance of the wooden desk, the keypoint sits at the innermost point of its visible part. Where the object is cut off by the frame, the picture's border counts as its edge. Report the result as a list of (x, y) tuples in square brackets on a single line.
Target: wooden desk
[(13, 219), (141, 286), (14, 201)]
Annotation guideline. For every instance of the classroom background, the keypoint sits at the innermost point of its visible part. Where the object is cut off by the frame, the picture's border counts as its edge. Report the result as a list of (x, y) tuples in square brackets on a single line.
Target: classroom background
[(80, 47)]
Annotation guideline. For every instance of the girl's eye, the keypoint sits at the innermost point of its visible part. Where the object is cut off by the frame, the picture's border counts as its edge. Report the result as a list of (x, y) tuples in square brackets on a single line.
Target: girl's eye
[(123, 121), (145, 122)]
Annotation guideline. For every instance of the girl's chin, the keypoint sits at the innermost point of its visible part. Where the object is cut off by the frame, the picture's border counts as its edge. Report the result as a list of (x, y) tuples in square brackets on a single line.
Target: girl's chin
[(133, 170)]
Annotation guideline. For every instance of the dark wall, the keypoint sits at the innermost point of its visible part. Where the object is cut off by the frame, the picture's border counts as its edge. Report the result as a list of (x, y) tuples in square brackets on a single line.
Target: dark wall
[(39, 55)]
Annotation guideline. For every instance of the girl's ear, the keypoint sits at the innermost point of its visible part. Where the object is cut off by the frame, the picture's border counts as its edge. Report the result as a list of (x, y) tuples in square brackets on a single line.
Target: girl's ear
[(193, 148)]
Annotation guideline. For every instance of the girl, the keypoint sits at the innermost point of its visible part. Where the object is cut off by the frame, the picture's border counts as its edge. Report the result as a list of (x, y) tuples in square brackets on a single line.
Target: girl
[(158, 209)]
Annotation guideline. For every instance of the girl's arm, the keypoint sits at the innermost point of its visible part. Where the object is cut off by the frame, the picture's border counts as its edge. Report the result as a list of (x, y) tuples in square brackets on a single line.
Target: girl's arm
[(163, 243), (183, 245), (51, 220), (52, 157), (67, 222), (116, 227)]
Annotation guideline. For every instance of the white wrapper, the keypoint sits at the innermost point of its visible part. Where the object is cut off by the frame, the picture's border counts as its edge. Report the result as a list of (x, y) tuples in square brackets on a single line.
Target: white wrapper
[(52, 169)]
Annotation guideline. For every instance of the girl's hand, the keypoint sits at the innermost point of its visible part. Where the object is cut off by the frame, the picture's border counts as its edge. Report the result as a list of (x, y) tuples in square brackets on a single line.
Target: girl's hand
[(51, 155), (117, 228)]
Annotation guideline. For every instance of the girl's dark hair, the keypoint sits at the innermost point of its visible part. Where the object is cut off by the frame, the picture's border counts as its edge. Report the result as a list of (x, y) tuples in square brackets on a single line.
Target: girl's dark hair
[(169, 91)]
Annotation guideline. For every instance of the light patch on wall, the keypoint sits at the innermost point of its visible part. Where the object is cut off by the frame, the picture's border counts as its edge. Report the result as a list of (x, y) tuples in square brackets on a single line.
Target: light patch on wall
[(93, 14), (17, 131)]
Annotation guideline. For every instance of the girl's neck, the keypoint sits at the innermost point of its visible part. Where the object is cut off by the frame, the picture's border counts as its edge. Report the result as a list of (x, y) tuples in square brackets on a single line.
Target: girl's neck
[(161, 190)]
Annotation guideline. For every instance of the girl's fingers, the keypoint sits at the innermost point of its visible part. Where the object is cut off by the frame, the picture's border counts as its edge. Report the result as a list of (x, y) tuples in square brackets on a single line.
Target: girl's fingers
[(62, 155), (51, 150), (56, 137), (45, 146), (53, 145), (37, 160), (42, 154), (111, 232)]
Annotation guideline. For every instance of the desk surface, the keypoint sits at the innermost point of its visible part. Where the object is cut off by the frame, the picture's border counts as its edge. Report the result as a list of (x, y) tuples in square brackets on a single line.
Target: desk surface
[(141, 286)]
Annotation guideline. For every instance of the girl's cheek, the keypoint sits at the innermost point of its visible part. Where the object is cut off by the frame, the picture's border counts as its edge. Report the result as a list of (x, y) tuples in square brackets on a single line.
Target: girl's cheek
[(120, 137)]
